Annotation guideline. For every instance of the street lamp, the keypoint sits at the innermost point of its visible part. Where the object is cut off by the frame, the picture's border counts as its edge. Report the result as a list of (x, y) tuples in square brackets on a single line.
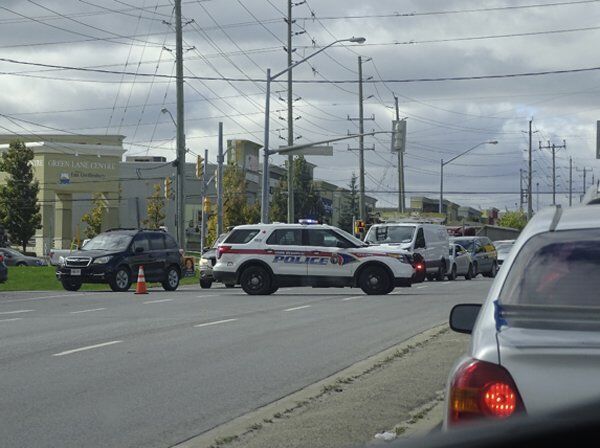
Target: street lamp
[(266, 151), (164, 110), (440, 209)]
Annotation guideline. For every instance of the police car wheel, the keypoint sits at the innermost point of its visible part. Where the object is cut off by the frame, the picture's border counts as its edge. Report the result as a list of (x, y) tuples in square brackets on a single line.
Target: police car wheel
[(255, 280), (374, 280)]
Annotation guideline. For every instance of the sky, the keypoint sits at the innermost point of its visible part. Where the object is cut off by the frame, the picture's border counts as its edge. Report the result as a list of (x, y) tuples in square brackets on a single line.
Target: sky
[(408, 43)]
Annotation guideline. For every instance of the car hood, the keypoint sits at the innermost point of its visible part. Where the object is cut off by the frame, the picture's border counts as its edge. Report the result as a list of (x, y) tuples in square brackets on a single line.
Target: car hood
[(381, 249), (92, 253), (394, 246)]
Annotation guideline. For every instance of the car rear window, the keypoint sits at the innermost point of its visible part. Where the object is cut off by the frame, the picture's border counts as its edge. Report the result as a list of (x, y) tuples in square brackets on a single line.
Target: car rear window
[(554, 279), (241, 236), (170, 242)]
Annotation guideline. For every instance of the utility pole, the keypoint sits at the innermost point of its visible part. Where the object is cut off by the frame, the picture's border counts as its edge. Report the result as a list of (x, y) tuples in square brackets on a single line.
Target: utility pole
[(521, 190), (290, 118), (570, 181), (401, 191), (220, 160), (180, 201), (554, 148), (584, 170), (529, 179), (204, 185), (361, 145), (362, 212)]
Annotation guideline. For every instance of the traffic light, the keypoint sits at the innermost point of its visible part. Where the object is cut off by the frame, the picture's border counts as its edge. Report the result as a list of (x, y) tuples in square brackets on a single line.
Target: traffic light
[(199, 167), (206, 204), (168, 187)]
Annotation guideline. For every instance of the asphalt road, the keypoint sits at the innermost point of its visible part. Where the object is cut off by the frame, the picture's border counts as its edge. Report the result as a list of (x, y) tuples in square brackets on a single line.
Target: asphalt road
[(119, 370)]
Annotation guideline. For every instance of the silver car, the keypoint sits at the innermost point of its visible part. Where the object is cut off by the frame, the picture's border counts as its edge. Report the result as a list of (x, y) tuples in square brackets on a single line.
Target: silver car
[(460, 262), (535, 343), (13, 257)]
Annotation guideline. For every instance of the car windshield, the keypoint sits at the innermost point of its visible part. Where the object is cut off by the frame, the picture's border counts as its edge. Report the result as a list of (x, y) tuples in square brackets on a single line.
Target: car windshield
[(383, 234), (467, 244), (108, 241), (555, 271), (503, 248)]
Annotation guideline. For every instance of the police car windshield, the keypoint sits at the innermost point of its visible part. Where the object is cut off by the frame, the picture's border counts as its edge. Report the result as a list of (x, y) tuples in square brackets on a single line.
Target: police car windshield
[(391, 234), (352, 239), (108, 241)]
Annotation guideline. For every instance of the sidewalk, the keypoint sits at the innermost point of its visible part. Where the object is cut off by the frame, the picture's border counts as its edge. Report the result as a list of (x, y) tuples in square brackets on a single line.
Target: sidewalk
[(398, 391)]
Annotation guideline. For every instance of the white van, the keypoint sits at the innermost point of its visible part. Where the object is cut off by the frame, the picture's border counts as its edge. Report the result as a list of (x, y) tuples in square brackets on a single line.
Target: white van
[(428, 240)]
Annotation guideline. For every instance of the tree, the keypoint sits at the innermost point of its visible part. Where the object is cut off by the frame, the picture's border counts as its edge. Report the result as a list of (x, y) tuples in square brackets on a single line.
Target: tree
[(515, 220), (19, 210), (307, 201), (155, 209), (93, 219), (236, 210), (350, 206)]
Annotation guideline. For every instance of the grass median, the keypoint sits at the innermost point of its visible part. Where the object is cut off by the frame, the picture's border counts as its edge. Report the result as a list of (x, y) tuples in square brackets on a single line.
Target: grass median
[(43, 278)]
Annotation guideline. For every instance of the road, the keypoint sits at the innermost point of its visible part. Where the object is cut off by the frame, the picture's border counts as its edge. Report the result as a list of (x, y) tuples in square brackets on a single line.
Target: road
[(121, 370)]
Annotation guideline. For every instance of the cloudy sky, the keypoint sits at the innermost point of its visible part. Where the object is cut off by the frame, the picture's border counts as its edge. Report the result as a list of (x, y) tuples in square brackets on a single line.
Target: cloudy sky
[(407, 41)]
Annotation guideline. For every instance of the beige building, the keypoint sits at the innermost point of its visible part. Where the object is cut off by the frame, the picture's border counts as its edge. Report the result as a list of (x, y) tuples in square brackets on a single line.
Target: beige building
[(70, 170)]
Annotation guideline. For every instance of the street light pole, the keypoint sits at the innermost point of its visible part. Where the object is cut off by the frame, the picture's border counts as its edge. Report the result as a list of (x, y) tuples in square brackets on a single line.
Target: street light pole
[(180, 128), (442, 164), (264, 211)]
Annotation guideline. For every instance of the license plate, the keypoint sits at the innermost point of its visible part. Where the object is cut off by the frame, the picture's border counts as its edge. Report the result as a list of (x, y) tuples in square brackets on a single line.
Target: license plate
[(75, 271)]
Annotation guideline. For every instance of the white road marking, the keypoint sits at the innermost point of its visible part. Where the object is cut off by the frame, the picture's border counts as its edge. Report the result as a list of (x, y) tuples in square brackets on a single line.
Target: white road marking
[(87, 311), (298, 308), (421, 287), (89, 347), (217, 322), (157, 301), (10, 320), (16, 312), (210, 295), (28, 299), (351, 298), (446, 283)]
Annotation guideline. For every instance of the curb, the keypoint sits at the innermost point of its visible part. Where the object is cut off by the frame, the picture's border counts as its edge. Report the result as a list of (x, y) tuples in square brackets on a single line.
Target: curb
[(254, 420)]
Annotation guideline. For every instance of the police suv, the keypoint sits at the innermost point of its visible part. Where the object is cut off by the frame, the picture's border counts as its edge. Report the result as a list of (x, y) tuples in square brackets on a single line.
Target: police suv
[(263, 257)]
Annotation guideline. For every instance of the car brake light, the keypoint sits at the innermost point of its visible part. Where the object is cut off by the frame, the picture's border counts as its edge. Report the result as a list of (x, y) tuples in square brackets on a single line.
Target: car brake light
[(419, 267), (481, 389), (222, 250), (1, 258)]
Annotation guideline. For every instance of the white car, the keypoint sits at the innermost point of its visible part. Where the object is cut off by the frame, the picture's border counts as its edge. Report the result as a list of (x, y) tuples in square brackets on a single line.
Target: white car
[(263, 257), (460, 262), (430, 241), (535, 345)]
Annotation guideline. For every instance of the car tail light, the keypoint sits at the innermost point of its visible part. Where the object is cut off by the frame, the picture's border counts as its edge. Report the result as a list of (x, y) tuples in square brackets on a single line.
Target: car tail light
[(1, 258), (419, 266), (222, 250), (481, 389)]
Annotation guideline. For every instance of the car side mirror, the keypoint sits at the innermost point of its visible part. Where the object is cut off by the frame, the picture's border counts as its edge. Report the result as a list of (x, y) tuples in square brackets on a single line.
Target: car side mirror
[(463, 317), (139, 250)]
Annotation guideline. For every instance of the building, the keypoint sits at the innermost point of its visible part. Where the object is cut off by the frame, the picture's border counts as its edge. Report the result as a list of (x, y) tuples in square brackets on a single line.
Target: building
[(73, 169), (469, 214), (424, 204)]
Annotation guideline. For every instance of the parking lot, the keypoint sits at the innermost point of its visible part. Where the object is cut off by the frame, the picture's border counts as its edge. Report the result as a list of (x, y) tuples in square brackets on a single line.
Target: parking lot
[(118, 369)]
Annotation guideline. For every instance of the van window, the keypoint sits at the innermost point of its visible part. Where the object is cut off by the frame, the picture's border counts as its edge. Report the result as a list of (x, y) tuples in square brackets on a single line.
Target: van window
[(420, 241), (241, 236)]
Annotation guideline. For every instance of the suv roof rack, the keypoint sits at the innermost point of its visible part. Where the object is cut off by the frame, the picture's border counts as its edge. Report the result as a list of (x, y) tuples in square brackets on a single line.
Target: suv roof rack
[(135, 229)]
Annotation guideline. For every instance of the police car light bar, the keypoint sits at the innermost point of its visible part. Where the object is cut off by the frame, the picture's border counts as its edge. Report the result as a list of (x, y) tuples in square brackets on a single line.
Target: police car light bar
[(308, 221)]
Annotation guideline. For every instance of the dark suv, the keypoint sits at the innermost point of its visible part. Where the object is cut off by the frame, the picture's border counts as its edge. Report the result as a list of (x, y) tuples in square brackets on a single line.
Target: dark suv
[(115, 256)]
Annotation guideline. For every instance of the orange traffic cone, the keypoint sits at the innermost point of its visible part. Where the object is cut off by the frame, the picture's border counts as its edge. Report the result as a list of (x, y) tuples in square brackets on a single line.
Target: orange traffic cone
[(140, 287)]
